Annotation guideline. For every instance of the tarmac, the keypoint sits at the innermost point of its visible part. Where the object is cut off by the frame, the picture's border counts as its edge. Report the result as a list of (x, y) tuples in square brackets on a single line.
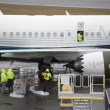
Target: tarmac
[(104, 4), (37, 102)]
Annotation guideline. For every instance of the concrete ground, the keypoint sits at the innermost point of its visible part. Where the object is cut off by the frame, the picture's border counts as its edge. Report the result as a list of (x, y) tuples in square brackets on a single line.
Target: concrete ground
[(37, 102)]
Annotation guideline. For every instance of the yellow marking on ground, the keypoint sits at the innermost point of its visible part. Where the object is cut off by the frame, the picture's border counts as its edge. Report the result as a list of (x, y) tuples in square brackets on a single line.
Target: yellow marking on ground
[(81, 98)]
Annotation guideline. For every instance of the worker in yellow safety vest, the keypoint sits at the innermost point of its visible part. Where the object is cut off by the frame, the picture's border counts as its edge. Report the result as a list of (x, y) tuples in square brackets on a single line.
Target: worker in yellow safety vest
[(46, 76), (79, 37), (10, 76), (3, 80)]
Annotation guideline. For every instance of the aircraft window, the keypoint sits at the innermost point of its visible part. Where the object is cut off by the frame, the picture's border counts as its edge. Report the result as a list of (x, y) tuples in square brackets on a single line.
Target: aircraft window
[(24, 34), (36, 34), (69, 34), (86, 34), (61, 34), (30, 34), (54, 34), (98, 34), (11, 34), (48, 34), (92, 34), (42, 34), (4, 34), (17, 34)]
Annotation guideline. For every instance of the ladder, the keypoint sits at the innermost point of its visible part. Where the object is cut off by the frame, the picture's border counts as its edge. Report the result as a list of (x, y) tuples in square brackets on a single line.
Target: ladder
[(82, 105)]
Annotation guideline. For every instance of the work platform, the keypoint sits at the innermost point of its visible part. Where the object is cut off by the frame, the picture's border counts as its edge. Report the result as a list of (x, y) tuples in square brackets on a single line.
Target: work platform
[(81, 101), (81, 96)]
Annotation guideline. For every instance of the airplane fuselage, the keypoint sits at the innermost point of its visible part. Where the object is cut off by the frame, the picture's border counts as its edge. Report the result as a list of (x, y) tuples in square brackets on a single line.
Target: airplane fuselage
[(30, 32)]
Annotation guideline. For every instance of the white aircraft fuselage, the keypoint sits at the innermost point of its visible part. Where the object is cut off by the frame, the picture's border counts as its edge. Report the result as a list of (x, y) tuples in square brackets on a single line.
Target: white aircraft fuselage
[(53, 31)]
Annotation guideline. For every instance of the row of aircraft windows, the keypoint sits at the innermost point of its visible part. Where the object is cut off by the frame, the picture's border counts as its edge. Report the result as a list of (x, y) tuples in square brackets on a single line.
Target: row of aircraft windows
[(92, 34), (36, 34), (69, 34)]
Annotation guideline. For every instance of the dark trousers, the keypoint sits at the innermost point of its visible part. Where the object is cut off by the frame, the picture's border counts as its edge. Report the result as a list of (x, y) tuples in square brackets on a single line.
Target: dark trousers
[(10, 84), (3, 87), (45, 85)]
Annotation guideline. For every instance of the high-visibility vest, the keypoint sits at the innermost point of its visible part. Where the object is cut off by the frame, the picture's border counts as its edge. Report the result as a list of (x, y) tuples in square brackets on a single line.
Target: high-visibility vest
[(3, 77), (79, 37), (10, 75), (47, 76)]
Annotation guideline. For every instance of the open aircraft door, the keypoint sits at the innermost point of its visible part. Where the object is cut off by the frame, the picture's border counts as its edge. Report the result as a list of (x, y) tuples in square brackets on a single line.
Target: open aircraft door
[(80, 29)]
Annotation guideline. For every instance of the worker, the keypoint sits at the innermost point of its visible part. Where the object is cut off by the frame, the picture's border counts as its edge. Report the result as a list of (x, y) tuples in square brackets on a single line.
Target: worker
[(3, 80), (10, 76), (46, 76), (79, 37)]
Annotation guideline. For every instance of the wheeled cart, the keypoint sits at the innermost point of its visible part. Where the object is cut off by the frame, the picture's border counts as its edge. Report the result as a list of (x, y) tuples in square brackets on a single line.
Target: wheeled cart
[(21, 87)]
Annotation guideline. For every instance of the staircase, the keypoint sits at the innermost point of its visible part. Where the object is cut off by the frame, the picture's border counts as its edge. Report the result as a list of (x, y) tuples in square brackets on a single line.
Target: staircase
[(82, 105)]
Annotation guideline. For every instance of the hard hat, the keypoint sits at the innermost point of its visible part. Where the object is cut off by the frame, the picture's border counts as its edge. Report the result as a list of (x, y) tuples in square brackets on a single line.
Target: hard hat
[(3, 70), (47, 70)]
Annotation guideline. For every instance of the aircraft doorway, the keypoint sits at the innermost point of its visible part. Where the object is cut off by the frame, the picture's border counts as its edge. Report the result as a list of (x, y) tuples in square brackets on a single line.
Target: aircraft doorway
[(80, 32)]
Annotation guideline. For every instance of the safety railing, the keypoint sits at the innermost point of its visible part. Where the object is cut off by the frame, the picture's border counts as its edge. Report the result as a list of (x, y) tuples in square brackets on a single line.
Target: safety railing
[(65, 79), (92, 77), (88, 80), (70, 79), (75, 77)]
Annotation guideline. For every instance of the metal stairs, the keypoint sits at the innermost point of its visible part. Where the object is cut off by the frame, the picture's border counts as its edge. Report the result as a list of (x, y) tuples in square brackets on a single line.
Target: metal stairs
[(82, 105)]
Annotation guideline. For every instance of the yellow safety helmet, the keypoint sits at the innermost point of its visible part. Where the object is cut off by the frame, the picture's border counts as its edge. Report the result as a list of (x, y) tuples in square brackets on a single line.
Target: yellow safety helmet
[(47, 70)]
